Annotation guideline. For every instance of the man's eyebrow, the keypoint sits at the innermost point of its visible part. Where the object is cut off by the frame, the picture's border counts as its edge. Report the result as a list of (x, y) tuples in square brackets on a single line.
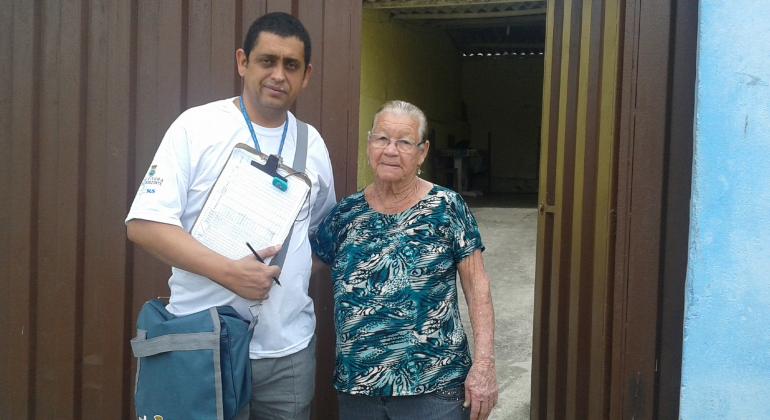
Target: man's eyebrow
[(277, 56)]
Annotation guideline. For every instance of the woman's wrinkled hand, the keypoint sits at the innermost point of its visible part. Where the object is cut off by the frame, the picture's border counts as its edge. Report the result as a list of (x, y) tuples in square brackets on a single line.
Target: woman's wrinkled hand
[(481, 389)]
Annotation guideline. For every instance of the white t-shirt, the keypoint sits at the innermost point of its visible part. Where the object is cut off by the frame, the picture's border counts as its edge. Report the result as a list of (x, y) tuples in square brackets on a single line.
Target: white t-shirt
[(184, 169)]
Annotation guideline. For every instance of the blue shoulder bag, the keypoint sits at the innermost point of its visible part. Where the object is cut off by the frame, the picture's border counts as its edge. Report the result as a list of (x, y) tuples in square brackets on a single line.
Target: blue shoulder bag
[(191, 367)]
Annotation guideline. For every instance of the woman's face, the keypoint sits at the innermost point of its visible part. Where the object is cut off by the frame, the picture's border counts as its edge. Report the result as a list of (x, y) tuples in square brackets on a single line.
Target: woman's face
[(392, 163)]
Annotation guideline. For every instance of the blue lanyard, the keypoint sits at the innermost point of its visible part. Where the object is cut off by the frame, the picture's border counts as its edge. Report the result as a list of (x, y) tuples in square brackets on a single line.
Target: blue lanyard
[(254, 135)]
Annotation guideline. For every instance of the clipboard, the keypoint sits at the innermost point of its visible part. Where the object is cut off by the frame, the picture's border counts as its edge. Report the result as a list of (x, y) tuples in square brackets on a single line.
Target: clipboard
[(246, 205)]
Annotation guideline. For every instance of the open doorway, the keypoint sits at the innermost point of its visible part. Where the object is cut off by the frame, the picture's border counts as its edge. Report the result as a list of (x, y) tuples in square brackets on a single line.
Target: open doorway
[(476, 69)]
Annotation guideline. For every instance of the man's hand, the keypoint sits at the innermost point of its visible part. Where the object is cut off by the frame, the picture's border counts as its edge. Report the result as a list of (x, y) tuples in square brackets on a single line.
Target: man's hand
[(251, 279), (481, 389), (246, 277)]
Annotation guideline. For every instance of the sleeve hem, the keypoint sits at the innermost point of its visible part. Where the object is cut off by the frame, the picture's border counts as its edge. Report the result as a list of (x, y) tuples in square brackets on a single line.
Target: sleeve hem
[(467, 251), (154, 217)]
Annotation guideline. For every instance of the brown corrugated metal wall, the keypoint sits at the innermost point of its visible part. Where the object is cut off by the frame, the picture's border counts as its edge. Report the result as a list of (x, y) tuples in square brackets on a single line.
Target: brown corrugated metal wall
[(88, 88)]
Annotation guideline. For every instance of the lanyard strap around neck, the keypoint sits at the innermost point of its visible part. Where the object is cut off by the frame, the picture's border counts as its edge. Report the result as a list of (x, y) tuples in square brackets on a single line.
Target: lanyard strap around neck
[(254, 135)]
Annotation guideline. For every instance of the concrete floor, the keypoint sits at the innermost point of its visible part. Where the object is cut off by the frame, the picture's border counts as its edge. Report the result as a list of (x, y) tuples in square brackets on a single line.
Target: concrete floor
[(509, 234)]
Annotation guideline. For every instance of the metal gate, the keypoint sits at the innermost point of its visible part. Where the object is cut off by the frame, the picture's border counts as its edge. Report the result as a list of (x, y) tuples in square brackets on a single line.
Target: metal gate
[(614, 209), (88, 89)]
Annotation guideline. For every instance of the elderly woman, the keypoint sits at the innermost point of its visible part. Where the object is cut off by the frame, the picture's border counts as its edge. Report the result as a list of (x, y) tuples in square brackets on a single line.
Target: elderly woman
[(395, 249)]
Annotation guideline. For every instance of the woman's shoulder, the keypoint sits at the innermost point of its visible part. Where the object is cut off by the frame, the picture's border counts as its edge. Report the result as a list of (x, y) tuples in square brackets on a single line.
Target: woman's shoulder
[(354, 198), (351, 202), (446, 194)]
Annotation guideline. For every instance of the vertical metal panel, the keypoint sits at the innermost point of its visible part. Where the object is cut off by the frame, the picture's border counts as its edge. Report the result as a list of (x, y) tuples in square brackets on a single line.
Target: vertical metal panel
[(341, 69), (678, 176), (57, 373), (570, 371), (279, 6), (108, 133), (251, 10), (199, 51), (653, 207), (225, 38), (643, 134), (91, 87), (562, 239), (309, 104), (160, 93), (603, 253), (6, 87), (543, 262), (583, 234), (17, 306)]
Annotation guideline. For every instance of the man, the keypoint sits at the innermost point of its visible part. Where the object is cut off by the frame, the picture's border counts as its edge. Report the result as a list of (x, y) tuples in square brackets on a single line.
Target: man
[(274, 64)]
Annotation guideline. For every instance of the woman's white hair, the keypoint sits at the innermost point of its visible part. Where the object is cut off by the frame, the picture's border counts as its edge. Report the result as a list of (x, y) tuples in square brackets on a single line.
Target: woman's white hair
[(404, 108)]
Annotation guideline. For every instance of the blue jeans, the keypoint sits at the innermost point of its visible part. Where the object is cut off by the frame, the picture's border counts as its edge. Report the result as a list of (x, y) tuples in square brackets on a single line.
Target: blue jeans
[(444, 404)]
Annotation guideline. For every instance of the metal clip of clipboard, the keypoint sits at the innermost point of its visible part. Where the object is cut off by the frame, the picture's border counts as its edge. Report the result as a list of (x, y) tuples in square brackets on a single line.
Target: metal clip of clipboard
[(271, 168)]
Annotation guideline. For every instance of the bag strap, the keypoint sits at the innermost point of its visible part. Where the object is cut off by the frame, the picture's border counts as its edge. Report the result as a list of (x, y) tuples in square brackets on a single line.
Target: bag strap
[(207, 340), (300, 161), (144, 347), (300, 154)]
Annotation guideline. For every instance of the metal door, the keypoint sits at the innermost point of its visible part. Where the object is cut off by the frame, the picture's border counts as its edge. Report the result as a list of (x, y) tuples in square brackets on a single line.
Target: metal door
[(613, 212)]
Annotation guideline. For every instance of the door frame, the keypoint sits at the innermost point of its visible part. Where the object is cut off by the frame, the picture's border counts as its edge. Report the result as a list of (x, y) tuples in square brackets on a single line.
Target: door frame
[(654, 184)]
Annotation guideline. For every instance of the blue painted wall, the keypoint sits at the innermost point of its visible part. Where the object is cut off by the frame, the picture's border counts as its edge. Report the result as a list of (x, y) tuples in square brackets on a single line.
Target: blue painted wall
[(726, 360)]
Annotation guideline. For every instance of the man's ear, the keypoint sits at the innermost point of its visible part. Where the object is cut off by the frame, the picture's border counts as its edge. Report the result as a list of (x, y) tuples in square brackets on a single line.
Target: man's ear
[(242, 60), (306, 77)]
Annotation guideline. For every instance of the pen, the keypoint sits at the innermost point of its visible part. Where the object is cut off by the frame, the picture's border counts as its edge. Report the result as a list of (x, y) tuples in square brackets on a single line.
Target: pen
[(260, 260)]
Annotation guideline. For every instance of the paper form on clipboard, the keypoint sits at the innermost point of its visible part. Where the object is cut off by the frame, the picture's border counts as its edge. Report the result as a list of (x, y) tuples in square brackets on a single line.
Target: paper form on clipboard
[(244, 206)]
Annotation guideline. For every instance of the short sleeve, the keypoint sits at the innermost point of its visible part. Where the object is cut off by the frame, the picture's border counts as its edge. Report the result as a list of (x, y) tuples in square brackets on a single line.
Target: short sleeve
[(467, 238), (162, 194), (324, 243)]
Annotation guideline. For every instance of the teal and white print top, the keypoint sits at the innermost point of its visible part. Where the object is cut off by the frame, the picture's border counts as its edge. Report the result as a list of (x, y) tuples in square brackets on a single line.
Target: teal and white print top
[(395, 293)]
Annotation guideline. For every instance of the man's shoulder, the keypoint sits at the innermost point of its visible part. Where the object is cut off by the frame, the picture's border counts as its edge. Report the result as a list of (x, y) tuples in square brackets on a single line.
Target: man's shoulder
[(203, 114), (312, 133), (315, 141)]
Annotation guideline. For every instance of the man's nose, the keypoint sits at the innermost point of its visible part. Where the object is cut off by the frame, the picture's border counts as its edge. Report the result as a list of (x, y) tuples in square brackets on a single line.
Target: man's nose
[(278, 72)]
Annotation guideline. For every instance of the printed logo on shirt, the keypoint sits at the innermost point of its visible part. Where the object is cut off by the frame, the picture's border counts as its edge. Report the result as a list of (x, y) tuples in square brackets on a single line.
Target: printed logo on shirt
[(151, 179)]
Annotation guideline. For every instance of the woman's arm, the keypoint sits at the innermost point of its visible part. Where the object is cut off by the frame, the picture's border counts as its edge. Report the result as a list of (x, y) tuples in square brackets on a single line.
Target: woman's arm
[(481, 383)]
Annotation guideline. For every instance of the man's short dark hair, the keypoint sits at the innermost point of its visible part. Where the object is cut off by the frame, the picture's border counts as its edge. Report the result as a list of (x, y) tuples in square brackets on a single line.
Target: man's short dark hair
[(281, 24)]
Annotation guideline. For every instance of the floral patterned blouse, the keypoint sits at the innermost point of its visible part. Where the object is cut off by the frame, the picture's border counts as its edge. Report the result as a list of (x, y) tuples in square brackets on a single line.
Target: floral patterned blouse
[(395, 293)]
